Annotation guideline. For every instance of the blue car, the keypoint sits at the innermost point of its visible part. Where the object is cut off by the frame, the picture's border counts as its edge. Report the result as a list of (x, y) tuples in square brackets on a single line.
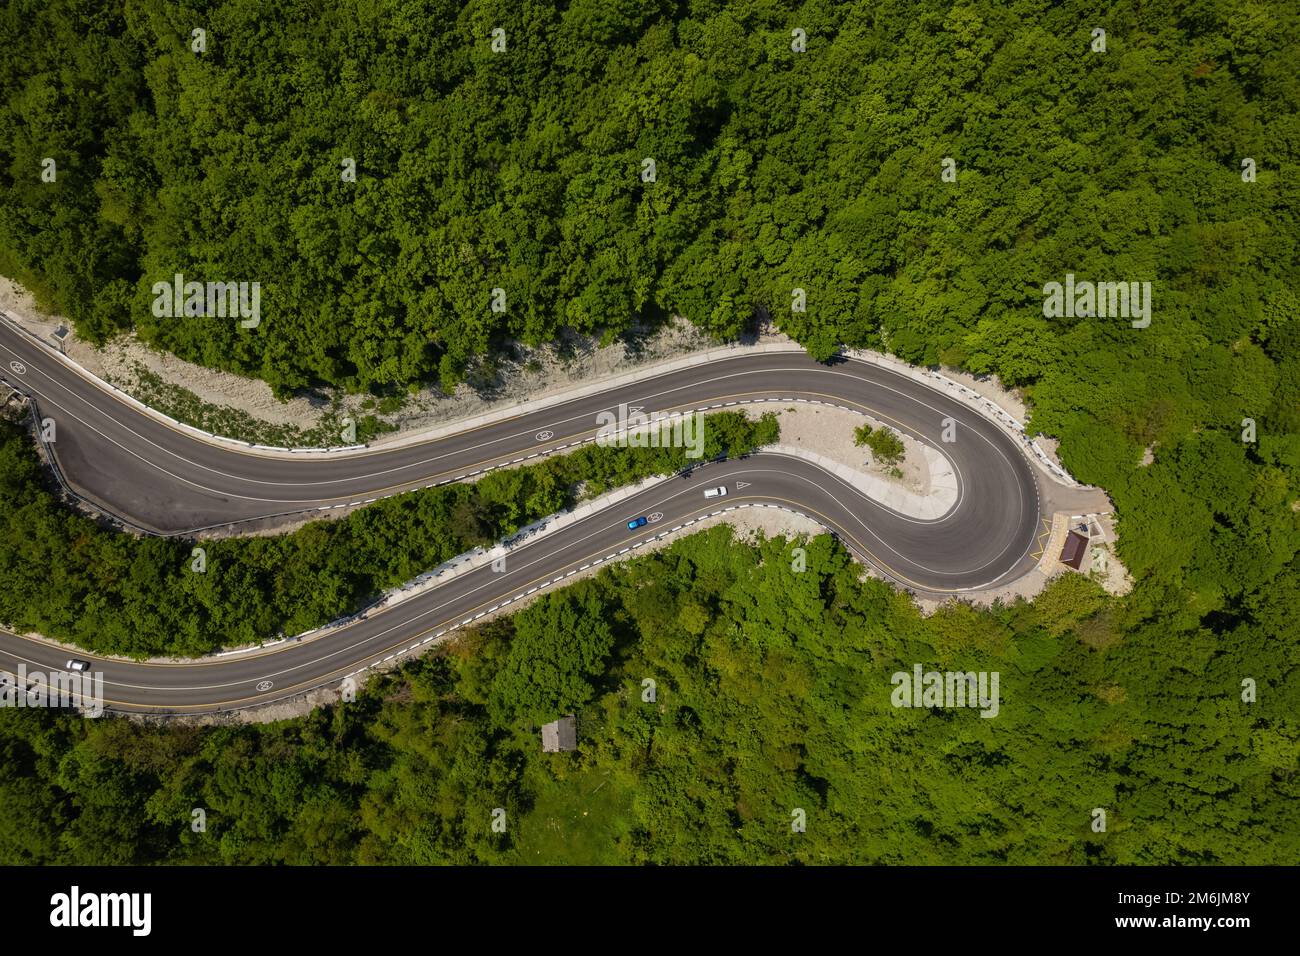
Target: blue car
[(636, 523)]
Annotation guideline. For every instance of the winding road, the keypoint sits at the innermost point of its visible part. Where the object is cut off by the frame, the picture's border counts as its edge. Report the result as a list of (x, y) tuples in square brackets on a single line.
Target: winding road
[(167, 480)]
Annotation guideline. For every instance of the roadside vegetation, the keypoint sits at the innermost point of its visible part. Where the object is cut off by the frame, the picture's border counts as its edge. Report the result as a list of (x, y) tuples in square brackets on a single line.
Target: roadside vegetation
[(69, 578), (772, 693), (184, 406), (883, 443)]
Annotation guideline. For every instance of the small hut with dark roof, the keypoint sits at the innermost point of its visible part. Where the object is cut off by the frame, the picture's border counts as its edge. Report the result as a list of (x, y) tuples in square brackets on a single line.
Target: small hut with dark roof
[(1076, 548)]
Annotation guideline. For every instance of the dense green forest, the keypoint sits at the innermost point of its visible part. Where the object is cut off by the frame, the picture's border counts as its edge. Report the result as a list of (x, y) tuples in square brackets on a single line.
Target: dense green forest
[(68, 578), (774, 169), (772, 694)]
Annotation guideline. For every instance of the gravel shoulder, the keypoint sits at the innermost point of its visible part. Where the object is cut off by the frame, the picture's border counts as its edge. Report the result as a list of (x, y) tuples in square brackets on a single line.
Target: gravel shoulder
[(828, 431)]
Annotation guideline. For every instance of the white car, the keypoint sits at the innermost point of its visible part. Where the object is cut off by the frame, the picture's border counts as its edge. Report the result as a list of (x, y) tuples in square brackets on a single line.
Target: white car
[(717, 492), (78, 665)]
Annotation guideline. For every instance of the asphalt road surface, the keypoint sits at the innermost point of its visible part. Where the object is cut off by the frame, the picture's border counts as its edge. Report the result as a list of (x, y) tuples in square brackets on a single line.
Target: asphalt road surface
[(168, 481)]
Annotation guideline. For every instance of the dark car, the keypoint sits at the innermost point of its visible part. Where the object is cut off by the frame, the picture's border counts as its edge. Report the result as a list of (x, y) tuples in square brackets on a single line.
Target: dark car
[(636, 523)]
